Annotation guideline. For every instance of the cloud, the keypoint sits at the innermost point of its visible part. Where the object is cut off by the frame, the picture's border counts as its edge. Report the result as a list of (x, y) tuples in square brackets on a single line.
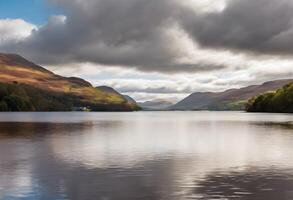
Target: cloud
[(14, 30), (166, 36), (262, 26), (142, 34), (156, 35)]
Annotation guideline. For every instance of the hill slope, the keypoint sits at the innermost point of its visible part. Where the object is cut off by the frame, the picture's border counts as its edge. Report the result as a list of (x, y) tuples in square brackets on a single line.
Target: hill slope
[(128, 99), (234, 99), (26, 80), (280, 100), (158, 104)]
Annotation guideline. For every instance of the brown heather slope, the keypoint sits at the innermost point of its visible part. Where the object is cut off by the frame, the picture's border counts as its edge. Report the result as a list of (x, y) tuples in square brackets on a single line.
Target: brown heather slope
[(15, 69), (233, 99)]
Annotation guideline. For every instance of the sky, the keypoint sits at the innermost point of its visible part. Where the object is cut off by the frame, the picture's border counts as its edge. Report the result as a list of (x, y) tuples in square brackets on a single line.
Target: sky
[(154, 49), (33, 11)]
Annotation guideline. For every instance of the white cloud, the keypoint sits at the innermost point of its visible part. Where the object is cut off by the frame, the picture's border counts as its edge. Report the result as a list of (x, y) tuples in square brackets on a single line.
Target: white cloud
[(206, 5), (14, 30)]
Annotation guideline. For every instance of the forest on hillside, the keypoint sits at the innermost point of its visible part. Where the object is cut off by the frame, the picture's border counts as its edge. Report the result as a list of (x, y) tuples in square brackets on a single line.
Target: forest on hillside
[(280, 101), (22, 97)]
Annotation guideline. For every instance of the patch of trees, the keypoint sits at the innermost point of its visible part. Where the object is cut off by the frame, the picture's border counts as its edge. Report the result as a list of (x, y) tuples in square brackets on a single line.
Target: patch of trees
[(228, 105), (19, 97), (279, 101)]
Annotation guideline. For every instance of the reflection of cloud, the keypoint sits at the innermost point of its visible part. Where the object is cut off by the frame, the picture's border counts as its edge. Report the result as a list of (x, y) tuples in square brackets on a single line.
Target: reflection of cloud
[(151, 180), (144, 155), (15, 171), (206, 135), (19, 185), (193, 144)]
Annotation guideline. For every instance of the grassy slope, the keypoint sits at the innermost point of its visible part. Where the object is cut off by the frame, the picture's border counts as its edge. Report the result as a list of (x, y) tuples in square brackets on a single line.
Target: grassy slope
[(16, 70)]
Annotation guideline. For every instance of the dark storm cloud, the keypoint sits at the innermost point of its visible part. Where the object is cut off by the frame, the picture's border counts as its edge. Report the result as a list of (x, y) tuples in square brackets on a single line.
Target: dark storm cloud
[(111, 32), (140, 33), (263, 26), (131, 33)]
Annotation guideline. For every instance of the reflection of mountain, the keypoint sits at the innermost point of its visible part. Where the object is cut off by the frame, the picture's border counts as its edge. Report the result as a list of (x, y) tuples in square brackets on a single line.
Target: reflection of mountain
[(39, 129)]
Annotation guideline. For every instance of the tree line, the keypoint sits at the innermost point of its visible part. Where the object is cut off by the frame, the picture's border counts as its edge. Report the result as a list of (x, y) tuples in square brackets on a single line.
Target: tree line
[(280, 101)]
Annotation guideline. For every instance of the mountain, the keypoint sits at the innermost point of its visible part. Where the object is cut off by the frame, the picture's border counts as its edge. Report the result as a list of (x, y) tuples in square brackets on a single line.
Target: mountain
[(233, 99), (130, 99), (112, 91), (30, 87), (158, 104), (280, 101), (108, 90)]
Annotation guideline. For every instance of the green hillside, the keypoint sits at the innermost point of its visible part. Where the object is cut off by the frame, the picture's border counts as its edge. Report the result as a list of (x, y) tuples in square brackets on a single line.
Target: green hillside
[(279, 101)]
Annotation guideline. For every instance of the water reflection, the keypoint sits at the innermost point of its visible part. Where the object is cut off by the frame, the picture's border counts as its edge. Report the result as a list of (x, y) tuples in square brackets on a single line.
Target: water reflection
[(177, 155), (267, 183), (277, 125), (32, 129), (80, 182)]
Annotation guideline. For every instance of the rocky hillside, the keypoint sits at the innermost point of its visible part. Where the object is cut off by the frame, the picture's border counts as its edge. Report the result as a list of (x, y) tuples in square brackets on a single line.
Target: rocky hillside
[(37, 86)]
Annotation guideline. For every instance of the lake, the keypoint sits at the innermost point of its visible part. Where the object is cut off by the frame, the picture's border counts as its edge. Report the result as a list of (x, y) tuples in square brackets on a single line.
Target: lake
[(146, 156)]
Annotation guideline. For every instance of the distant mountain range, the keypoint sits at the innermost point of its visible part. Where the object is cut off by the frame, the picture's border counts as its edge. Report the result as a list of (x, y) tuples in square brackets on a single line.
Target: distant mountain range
[(25, 86), (157, 104), (233, 99)]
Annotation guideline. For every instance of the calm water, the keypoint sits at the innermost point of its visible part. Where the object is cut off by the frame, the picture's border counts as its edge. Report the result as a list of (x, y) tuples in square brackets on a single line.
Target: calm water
[(146, 155)]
